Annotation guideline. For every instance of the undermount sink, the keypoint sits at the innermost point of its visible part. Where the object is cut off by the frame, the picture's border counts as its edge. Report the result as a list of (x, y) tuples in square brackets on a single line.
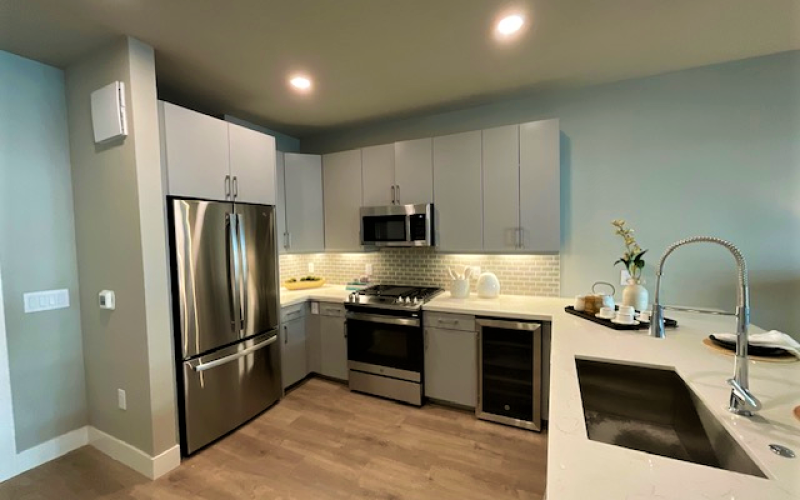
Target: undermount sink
[(654, 411)]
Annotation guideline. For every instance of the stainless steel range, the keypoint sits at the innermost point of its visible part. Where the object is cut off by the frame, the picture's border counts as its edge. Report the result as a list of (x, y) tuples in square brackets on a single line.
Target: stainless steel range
[(385, 341)]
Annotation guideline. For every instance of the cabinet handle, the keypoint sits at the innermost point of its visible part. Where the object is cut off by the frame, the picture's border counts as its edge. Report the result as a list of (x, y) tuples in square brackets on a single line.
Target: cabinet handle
[(285, 334), (227, 186), (522, 237), (289, 240), (235, 187), (517, 237), (397, 193), (393, 196), (447, 322)]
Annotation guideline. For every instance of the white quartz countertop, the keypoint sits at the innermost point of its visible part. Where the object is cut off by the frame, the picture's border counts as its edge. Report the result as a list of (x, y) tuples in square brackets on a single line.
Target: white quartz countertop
[(579, 468), (326, 293)]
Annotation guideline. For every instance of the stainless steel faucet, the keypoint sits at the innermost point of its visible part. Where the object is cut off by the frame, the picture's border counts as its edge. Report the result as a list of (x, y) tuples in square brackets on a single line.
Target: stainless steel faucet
[(742, 400)]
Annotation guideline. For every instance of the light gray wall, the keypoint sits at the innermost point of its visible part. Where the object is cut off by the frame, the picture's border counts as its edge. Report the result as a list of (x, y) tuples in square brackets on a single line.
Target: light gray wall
[(37, 252), (120, 233), (709, 151), (283, 142)]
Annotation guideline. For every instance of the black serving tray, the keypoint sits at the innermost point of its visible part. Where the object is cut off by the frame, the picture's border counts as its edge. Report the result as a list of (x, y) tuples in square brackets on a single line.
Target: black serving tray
[(668, 323)]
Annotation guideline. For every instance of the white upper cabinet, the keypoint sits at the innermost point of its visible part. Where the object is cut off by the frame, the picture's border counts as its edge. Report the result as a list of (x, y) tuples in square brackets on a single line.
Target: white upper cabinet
[(540, 186), (399, 173), (342, 191), (458, 192), (378, 171), (413, 171), (304, 231), (280, 201), (212, 159), (252, 163), (196, 153), (501, 193)]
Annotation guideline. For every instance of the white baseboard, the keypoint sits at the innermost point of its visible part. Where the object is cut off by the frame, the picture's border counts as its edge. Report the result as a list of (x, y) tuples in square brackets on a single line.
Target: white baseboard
[(141, 462), (136, 459), (50, 450)]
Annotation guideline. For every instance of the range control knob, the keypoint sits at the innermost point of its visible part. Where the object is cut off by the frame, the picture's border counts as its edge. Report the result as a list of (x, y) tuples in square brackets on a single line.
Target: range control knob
[(417, 300)]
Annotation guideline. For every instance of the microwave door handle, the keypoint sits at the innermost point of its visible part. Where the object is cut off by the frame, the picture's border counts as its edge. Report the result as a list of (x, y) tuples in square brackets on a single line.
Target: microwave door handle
[(243, 249), (408, 228)]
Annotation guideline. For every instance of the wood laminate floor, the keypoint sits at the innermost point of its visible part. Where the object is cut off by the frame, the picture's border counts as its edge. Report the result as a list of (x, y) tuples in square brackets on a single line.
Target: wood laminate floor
[(322, 442)]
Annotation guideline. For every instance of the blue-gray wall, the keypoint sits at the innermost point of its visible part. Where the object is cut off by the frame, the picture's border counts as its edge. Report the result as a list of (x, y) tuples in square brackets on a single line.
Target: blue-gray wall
[(710, 151), (37, 252)]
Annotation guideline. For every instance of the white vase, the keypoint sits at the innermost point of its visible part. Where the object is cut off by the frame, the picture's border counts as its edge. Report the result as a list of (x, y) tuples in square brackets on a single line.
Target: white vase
[(635, 294)]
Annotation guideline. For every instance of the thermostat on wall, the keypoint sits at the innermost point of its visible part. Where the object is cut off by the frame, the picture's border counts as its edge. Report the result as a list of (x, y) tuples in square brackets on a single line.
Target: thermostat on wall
[(107, 300), (109, 118)]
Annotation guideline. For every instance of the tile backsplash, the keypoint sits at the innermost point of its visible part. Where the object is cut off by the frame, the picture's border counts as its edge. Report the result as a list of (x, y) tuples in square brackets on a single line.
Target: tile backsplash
[(518, 274)]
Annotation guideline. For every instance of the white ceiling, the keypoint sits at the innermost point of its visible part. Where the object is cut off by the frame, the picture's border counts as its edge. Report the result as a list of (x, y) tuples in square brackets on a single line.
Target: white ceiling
[(375, 59)]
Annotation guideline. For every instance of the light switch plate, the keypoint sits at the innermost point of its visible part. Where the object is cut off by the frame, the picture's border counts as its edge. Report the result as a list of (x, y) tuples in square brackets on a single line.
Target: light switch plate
[(315, 308), (476, 272), (368, 269), (46, 300), (310, 267)]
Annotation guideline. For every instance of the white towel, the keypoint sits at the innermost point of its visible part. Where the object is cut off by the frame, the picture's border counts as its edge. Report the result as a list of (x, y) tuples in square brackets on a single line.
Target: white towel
[(773, 338)]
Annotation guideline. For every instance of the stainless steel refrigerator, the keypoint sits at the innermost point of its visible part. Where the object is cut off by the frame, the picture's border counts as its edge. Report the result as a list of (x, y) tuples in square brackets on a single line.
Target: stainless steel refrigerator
[(225, 308)]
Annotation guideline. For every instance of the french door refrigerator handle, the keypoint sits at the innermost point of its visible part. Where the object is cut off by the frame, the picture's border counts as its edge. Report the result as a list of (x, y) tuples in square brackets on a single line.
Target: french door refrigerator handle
[(233, 271), (236, 291), (233, 357), (243, 249)]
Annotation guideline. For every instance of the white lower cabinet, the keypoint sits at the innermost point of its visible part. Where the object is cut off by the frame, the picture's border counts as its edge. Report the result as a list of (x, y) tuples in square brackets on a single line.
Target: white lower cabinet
[(327, 341), (451, 369), (294, 363)]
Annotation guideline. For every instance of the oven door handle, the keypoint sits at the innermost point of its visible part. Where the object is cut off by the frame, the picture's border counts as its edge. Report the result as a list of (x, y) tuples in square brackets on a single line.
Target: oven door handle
[(387, 320)]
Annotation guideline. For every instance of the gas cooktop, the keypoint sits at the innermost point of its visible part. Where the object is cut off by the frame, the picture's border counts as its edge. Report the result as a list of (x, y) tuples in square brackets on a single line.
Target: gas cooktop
[(393, 296)]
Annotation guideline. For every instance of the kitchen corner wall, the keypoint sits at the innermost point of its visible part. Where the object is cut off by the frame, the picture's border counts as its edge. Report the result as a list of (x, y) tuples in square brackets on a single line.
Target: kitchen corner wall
[(518, 274), (121, 240)]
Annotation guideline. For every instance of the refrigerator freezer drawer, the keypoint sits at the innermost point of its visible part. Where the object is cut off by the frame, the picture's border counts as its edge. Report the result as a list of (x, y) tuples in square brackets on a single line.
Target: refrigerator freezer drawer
[(227, 388)]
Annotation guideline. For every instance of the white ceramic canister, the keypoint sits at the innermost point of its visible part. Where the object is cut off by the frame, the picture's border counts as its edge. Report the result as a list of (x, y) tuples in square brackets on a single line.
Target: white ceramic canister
[(488, 286)]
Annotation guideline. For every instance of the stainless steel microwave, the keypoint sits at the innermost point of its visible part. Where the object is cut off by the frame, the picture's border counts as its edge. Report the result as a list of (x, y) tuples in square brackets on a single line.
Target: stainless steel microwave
[(397, 226)]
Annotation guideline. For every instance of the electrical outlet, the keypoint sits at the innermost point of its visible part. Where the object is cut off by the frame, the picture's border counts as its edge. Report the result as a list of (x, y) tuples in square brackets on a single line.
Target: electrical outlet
[(122, 400), (624, 276), (310, 267), (476, 271), (368, 269)]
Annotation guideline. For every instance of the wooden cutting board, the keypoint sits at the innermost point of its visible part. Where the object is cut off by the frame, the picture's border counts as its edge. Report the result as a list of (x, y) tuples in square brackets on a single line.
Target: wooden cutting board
[(787, 358)]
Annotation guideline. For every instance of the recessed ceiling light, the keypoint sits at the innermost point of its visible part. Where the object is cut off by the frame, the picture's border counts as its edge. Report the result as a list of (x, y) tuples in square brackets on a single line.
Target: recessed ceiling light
[(510, 24), (300, 82)]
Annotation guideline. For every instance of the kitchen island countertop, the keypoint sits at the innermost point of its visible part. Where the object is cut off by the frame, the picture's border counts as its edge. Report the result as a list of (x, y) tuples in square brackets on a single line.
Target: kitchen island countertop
[(578, 468)]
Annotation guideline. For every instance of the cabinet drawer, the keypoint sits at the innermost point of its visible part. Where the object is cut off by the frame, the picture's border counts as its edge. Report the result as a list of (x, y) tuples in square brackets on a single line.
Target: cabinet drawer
[(331, 309), (450, 321), (290, 313)]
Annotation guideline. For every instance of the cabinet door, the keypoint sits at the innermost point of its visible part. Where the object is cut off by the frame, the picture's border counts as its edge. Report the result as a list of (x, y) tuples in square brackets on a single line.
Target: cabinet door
[(451, 366), (280, 202), (540, 186), (501, 189), (252, 159), (314, 340), (196, 153), (413, 171), (378, 175), (341, 174), (457, 191), (304, 216), (334, 347), (294, 366)]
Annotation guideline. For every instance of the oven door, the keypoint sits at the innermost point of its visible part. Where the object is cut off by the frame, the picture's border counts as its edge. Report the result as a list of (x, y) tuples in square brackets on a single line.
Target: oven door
[(391, 346)]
